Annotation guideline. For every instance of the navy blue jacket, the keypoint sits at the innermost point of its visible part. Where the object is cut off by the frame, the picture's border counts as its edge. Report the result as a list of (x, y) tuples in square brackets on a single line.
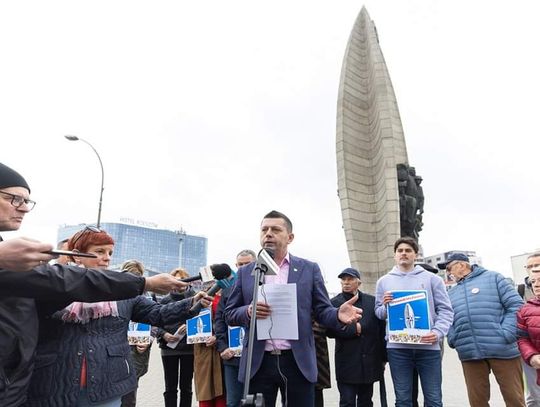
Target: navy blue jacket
[(221, 328), (311, 297), (103, 342), (19, 316), (360, 358)]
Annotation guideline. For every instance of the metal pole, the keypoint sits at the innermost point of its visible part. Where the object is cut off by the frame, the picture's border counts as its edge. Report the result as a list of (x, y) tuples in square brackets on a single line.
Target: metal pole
[(75, 138)]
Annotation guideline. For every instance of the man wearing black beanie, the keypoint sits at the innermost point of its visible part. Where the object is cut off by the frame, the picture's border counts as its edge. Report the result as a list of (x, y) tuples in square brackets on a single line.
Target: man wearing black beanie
[(26, 276), (11, 178), (17, 254)]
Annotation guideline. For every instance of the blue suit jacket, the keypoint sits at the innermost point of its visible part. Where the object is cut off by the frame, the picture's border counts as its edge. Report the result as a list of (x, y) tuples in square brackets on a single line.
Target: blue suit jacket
[(312, 297)]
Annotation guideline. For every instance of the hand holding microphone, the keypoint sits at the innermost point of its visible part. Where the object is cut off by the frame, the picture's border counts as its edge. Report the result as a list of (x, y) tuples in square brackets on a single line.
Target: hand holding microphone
[(205, 299), (209, 273), (201, 300)]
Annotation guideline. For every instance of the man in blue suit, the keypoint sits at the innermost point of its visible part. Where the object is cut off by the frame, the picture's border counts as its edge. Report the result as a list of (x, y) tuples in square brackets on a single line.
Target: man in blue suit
[(289, 365)]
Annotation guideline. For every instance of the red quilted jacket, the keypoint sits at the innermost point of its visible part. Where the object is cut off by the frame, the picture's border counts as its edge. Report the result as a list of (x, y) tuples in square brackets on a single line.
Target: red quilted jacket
[(528, 325)]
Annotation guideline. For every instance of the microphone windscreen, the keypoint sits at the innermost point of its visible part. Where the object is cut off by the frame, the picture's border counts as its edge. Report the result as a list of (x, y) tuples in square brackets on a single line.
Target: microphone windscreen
[(197, 307), (221, 271), (270, 252)]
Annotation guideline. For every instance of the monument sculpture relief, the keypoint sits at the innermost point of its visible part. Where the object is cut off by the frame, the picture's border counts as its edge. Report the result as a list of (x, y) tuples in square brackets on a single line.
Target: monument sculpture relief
[(376, 207), (411, 201)]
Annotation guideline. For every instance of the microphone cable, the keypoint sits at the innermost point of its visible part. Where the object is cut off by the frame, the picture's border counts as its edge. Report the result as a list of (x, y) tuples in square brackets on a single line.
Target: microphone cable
[(278, 357)]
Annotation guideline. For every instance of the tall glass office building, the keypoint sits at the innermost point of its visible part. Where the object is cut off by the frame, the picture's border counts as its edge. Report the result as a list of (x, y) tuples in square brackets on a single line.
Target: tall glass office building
[(159, 250)]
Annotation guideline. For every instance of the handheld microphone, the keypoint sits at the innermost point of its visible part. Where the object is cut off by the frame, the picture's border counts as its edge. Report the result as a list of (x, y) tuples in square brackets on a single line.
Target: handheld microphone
[(266, 263), (209, 273), (220, 270)]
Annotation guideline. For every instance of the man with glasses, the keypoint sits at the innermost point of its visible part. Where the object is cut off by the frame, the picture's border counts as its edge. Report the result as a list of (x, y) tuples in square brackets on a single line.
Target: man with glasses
[(484, 330), (25, 276)]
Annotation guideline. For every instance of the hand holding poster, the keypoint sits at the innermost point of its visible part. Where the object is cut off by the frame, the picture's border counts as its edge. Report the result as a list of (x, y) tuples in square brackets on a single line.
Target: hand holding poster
[(236, 338), (408, 316), (199, 328), (180, 333)]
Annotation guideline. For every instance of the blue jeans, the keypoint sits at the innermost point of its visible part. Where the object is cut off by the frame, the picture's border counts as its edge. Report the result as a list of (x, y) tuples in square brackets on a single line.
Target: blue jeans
[(233, 388), (428, 364)]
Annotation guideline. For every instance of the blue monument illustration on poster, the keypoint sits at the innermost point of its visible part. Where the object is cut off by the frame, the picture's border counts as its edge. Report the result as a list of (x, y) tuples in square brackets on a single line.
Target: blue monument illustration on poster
[(139, 333), (199, 328), (236, 339), (408, 316)]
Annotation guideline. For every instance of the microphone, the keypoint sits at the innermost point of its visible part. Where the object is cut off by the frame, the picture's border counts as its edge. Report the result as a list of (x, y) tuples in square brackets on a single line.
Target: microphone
[(221, 270), (209, 273), (266, 263)]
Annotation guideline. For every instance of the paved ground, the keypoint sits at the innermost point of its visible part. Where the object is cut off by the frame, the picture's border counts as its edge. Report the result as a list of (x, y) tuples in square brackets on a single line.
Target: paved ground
[(454, 391)]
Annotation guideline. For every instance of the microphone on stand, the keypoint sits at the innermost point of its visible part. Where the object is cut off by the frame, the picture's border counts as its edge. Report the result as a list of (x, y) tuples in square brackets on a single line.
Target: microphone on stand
[(265, 266), (265, 263)]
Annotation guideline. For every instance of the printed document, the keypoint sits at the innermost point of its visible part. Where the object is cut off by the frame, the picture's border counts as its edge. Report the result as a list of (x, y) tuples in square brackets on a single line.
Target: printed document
[(283, 321)]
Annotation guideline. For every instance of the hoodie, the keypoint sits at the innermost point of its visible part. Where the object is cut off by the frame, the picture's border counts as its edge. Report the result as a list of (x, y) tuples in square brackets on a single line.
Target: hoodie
[(440, 308)]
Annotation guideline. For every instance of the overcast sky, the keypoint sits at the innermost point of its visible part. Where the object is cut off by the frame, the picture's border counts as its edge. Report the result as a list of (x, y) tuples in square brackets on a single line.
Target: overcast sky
[(209, 114)]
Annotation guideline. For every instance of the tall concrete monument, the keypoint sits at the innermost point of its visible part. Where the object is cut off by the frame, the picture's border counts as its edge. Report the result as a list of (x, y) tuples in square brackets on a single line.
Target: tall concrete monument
[(369, 145)]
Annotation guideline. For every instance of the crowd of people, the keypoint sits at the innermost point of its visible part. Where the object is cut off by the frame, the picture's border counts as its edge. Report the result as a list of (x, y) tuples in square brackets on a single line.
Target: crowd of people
[(64, 323)]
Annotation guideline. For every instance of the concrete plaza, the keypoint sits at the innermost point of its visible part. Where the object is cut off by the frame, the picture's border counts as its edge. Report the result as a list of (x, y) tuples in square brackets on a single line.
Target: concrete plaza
[(454, 391)]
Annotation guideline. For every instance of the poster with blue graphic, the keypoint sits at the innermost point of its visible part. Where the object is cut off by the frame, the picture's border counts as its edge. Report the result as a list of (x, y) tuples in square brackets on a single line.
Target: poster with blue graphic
[(199, 328), (139, 334), (236, 339), (408, 316)]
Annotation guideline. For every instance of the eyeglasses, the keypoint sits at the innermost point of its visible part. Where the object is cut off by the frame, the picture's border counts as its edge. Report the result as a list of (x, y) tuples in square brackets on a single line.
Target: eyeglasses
[(532, 266), (17, 201), (87, 229)]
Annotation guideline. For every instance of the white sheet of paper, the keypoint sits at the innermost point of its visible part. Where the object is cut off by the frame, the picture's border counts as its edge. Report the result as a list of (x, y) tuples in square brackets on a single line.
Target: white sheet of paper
[(173, 345), (283, 322)]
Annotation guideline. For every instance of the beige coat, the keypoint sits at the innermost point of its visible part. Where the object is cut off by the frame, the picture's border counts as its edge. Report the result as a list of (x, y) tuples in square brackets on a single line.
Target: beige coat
[(207, 372)]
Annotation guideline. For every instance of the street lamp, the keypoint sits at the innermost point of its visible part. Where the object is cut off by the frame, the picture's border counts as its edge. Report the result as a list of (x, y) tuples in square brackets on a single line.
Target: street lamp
[(75, 138)]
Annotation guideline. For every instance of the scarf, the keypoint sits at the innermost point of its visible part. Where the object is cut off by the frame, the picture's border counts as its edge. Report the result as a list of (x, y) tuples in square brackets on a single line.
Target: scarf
[(83, 312), (226, 283)]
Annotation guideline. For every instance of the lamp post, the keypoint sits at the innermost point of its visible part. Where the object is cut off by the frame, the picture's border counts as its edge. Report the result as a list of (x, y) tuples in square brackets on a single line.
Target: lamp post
[(75, 138)]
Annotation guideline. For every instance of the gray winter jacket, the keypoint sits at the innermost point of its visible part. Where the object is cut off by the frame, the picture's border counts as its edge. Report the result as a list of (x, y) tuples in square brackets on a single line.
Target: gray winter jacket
[(440, 310)]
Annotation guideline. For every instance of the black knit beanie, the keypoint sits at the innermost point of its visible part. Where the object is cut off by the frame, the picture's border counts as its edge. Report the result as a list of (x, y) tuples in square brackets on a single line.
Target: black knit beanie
[(11, 178)]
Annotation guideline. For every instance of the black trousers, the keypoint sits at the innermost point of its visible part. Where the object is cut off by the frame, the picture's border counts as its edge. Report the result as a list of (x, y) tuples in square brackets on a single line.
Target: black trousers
[(294, 387), (319, 398), (355, 395), (178, 371)]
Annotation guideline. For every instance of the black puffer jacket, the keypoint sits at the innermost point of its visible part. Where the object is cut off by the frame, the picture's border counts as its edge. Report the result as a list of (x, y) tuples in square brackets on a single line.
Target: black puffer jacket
[(19, 320), (103, 342)]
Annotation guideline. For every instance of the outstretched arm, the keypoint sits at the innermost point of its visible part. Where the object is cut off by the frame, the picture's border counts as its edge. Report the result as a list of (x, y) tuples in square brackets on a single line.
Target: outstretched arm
[(23, 254)]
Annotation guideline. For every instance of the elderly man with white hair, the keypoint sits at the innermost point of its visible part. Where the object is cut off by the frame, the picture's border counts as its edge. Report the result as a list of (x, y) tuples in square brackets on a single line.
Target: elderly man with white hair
[(484, 330)]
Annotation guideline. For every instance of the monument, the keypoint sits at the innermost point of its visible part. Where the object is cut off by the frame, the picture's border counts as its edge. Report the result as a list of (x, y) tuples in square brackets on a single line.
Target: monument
[(376, 207)]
